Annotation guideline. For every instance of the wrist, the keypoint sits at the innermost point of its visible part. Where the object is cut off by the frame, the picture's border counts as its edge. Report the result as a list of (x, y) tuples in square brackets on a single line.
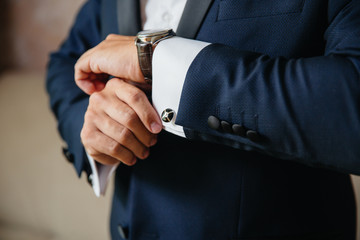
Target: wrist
[(134, 72), (137, 73)]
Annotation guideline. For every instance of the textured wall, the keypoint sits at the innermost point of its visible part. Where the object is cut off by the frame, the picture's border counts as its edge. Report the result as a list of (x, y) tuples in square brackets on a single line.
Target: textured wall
[(31, 29), (41, 197)]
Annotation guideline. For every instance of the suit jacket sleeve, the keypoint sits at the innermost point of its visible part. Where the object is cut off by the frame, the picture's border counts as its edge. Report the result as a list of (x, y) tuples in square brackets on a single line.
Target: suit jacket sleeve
[(305, 109), (67, 101)]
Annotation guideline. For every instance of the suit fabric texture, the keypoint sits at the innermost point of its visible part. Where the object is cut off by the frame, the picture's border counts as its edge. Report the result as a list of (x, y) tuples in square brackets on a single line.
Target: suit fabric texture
[(287, 73)]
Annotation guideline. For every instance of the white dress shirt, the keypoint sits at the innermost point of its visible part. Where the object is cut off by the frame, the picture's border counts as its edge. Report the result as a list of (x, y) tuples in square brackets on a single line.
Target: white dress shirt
[(170, 65)]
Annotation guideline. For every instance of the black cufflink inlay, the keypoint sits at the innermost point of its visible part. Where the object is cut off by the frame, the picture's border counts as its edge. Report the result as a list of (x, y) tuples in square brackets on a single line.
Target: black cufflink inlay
[(214, 123)]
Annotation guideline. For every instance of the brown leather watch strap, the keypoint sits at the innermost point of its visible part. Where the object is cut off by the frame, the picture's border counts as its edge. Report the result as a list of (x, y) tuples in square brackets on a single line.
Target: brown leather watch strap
[(145, 53)]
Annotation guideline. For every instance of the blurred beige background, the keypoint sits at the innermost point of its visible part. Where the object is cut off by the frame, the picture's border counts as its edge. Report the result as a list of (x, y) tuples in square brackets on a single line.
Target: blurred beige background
[(40, 196)]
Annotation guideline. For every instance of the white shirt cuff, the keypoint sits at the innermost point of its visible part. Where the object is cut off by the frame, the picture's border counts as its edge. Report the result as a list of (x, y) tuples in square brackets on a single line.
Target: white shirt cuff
[(171, 61), (101, 175)]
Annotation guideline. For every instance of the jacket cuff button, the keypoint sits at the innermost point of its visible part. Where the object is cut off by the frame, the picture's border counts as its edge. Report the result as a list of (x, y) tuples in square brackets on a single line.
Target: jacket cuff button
[(68, 155), (226, 127), (214, 123), (253, 136), (239, 130)]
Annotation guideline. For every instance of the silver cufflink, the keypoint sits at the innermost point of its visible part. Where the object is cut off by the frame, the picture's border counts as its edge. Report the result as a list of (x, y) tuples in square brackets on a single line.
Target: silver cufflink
[(167, 115)]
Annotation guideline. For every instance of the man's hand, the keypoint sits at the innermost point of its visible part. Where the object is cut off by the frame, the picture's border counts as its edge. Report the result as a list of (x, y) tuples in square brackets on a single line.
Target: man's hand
[(120, 124), (115, 56)]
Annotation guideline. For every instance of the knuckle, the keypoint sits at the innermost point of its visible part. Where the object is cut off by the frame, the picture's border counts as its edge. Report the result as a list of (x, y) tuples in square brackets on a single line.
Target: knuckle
[(135, 95), (89, 114), (94, 65), (92, 152), (108, 123), (90, 119), (111, 83), (125, 135), (114, 149), (114, 83), (76, 66), (128, 159), (130, 118), (85, 135), (107, 160), (96, 98), (110, 36), (149, 141)]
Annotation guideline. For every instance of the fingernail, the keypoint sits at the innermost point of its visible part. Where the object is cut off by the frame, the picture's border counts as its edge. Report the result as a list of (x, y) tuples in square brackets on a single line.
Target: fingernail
[(146, 153), (133, 161), (155, 127), (153, 141)]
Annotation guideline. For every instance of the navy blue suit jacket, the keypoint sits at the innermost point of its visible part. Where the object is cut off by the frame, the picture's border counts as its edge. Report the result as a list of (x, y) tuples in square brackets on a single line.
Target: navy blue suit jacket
[(288, 72)]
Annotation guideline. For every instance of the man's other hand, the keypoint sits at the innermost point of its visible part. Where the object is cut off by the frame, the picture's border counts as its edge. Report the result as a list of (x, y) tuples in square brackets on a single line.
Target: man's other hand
[(115, 56), (120, 124)]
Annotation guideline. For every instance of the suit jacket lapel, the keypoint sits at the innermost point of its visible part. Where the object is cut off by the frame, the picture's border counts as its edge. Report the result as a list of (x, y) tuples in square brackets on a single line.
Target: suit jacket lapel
[(129, 21), (192, 18)]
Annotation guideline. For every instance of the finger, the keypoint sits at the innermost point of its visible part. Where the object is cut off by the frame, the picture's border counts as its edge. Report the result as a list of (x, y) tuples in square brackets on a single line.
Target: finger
[(97, 143), (126, 116), (122, 135), (83, 64), (102, 158), (120, 112), (87, 86), (86, 67), (116, 56), (82, 67), (103, 149), (138, 101), (99, 85), (86, 79), (91, 86)]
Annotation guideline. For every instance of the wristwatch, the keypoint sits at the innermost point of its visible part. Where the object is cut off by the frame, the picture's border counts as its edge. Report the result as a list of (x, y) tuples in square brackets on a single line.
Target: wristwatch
[(146, 42)]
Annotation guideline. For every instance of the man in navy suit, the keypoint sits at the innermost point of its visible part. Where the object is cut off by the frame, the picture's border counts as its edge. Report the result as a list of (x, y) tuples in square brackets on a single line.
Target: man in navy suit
[(260, 111)]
